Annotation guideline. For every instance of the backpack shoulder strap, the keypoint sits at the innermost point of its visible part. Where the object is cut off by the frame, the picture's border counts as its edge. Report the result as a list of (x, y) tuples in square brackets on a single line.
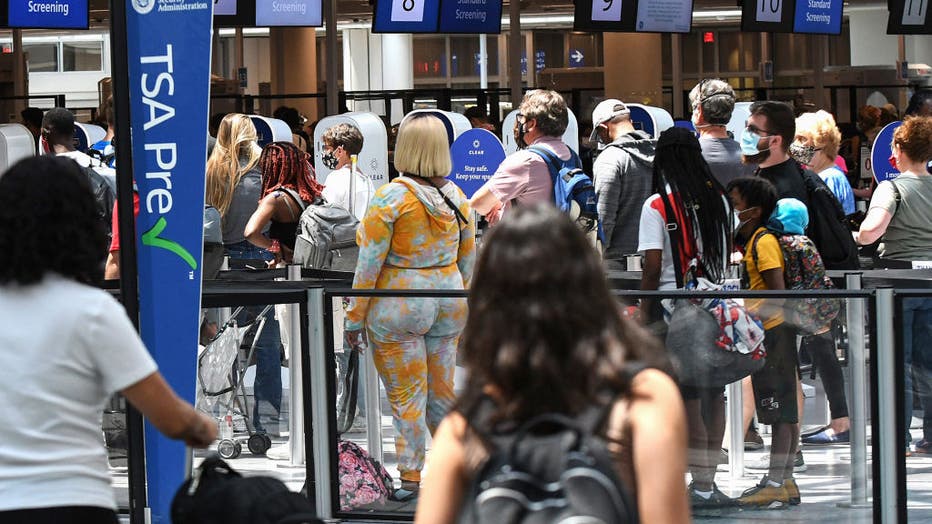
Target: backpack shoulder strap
[(294, 196), (754, 242), (673, 232)]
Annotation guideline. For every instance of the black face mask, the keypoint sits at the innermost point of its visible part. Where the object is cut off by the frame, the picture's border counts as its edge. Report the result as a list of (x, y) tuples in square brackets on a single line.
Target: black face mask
[(329, 160), (520, 131)]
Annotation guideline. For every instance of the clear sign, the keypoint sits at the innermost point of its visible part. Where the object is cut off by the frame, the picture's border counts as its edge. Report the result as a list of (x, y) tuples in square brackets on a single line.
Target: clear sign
[(818, 17), (476, 155), (48, 14), (406, 16), (665, 16), (880, 154), (295, 13), (606, 10), (470, 16)]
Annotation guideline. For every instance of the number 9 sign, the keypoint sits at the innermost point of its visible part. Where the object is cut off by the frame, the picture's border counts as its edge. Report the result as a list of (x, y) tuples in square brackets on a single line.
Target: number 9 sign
[(606, 10), (769, 10), (408, 10)]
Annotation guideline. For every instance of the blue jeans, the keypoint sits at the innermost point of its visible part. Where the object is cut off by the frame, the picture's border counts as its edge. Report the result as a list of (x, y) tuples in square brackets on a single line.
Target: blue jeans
[(917, 361), (246, 250), (267, 389)]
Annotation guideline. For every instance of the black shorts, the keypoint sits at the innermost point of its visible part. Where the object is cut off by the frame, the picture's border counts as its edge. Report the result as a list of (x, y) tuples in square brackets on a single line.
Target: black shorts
[(775, 383)]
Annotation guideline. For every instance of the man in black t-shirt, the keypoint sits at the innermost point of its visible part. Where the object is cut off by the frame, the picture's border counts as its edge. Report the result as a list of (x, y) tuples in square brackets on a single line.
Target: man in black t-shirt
[(766, 142)]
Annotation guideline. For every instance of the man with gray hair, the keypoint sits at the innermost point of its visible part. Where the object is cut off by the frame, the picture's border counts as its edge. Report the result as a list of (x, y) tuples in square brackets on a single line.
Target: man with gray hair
[(623, 175), (713, 101), (523, 177)]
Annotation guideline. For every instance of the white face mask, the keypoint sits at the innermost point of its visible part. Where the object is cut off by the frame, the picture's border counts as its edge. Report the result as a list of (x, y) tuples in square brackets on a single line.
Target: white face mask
[(740, 223)]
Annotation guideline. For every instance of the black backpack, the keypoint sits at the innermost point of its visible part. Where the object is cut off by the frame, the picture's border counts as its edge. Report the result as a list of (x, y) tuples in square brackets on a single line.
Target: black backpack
[(216, 494), (553, 468), (827, 226)]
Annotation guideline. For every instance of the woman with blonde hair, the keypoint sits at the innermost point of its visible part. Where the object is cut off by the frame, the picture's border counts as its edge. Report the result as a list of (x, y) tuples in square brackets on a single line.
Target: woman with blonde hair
[(816, 146), (415, 235), (234, 183)]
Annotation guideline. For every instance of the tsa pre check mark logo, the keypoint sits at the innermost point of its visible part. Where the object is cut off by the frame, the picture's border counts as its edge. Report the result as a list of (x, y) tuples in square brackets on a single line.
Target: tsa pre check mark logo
[(151, 238), (143, 7)]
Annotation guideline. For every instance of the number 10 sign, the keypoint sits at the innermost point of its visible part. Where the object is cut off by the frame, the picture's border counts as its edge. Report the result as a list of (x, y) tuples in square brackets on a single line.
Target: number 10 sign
[(769, 10), (606, 10)]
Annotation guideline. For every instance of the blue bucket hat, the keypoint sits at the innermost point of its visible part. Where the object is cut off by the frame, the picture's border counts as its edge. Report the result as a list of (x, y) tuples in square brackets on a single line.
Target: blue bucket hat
[(790, 217)]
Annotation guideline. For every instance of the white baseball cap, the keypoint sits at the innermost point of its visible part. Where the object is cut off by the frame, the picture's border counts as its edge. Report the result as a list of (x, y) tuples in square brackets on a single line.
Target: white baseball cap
[(606, 111)]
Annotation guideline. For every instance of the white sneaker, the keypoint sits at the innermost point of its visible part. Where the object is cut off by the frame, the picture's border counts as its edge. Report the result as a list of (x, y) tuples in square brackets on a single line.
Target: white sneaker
[(799, 465), (282, 452)]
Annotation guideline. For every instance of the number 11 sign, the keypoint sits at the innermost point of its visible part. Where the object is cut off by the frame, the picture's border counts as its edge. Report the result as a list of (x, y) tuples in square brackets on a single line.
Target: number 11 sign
[(606, 10)]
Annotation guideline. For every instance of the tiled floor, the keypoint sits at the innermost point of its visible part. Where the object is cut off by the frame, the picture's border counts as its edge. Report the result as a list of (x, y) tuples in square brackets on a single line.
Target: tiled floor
[(825, 486)]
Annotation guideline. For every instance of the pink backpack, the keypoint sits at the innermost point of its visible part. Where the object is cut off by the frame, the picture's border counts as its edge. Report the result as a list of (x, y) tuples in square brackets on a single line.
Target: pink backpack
[(363, 480)]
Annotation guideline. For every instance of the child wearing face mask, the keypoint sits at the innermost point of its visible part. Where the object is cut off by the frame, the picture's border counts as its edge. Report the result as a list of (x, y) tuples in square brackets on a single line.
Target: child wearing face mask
[(775, 388), (342, 143)]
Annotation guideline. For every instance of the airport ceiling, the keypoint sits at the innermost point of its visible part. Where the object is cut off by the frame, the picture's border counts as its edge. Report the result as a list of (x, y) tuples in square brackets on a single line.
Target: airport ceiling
[(361, 10)]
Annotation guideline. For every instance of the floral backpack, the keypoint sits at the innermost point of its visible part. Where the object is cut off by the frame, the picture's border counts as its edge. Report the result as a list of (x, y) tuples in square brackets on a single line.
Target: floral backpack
[(803, 269), (363, 480)]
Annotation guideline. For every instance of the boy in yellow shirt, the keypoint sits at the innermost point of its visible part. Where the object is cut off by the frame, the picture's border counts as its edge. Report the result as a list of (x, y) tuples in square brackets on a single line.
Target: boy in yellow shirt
[(754, 200)]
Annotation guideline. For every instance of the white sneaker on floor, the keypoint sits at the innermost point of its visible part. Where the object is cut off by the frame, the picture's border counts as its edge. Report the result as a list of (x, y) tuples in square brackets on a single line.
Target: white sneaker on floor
[(763, 464), (282, 452)]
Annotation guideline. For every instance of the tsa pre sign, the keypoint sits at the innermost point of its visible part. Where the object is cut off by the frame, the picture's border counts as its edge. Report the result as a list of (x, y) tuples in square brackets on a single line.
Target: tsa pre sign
[(168, 44)]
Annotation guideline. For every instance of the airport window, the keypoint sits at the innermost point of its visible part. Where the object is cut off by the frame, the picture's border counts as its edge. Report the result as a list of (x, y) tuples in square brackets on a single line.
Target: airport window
[(589, 47), (82, 56), (550, 44), (43, 58), (430, 58)]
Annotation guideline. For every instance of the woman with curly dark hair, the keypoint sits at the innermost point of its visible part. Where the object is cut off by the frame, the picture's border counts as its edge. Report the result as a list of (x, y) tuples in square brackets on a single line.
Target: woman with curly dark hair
[(66, 347), (545, 335), (288, 186)]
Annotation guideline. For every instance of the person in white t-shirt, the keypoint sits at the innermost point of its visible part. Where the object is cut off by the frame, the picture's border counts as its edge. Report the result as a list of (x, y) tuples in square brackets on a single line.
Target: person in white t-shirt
[(341, 143), (66, 347), (689, 218)]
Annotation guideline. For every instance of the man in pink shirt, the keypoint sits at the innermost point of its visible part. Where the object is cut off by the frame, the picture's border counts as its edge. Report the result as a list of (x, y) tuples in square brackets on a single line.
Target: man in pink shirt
[(523, 177)]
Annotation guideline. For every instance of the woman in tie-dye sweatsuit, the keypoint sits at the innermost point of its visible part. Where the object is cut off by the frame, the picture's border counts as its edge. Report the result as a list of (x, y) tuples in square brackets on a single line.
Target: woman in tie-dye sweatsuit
[(415, 235)]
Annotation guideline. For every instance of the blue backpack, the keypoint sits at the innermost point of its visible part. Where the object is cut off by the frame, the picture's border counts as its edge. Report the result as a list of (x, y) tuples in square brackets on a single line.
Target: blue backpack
[(573, 191)]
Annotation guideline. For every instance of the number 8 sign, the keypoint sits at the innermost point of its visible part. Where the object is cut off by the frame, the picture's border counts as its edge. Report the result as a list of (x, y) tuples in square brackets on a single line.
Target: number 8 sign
[(769, 11), (606, 10), (408, 10)]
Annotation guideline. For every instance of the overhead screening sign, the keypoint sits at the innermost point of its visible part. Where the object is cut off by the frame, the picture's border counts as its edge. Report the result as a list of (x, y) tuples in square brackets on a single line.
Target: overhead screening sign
[(48, 14), (225, 7), (605, 15), (288, 13), (168, 46), (471, 16), (773, 16), (818, 17), (909, 17)]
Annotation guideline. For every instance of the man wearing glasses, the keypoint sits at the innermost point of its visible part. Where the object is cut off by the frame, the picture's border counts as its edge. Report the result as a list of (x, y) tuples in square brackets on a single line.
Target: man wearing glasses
[(766, 142), (523, 177)]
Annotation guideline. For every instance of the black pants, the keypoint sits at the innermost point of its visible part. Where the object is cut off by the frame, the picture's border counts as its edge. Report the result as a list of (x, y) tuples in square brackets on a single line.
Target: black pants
[(821, 349), (60, 515)]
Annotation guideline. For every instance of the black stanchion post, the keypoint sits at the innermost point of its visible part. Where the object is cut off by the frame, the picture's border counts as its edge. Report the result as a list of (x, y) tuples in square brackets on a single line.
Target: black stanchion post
[(128, 266)]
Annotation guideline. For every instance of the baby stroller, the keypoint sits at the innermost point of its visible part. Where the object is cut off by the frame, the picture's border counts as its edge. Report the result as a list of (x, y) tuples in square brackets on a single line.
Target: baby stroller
[(221, 391)]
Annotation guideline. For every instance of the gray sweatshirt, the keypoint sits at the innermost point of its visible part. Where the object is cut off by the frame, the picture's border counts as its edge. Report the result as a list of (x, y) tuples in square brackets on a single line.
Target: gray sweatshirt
[(623, 175)]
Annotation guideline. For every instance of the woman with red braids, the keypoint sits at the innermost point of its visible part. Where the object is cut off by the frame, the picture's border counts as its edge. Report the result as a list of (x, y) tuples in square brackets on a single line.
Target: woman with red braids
[(288, 186)]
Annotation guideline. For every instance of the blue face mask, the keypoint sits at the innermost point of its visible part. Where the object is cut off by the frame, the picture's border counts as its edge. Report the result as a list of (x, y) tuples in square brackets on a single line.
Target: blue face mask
[(749, 141)]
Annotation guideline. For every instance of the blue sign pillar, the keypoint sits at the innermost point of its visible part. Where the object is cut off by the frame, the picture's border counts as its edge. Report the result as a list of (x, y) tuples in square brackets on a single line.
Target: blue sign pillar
[(476, 155), (880, 154), (168, 48)]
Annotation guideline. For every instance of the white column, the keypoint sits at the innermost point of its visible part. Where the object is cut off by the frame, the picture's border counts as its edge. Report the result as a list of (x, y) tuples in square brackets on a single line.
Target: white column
[(397, 68), (871, 45)]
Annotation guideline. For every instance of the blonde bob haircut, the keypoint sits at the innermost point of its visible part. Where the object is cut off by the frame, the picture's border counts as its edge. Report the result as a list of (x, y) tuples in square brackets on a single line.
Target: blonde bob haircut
[(422, 148), (820, 129)]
